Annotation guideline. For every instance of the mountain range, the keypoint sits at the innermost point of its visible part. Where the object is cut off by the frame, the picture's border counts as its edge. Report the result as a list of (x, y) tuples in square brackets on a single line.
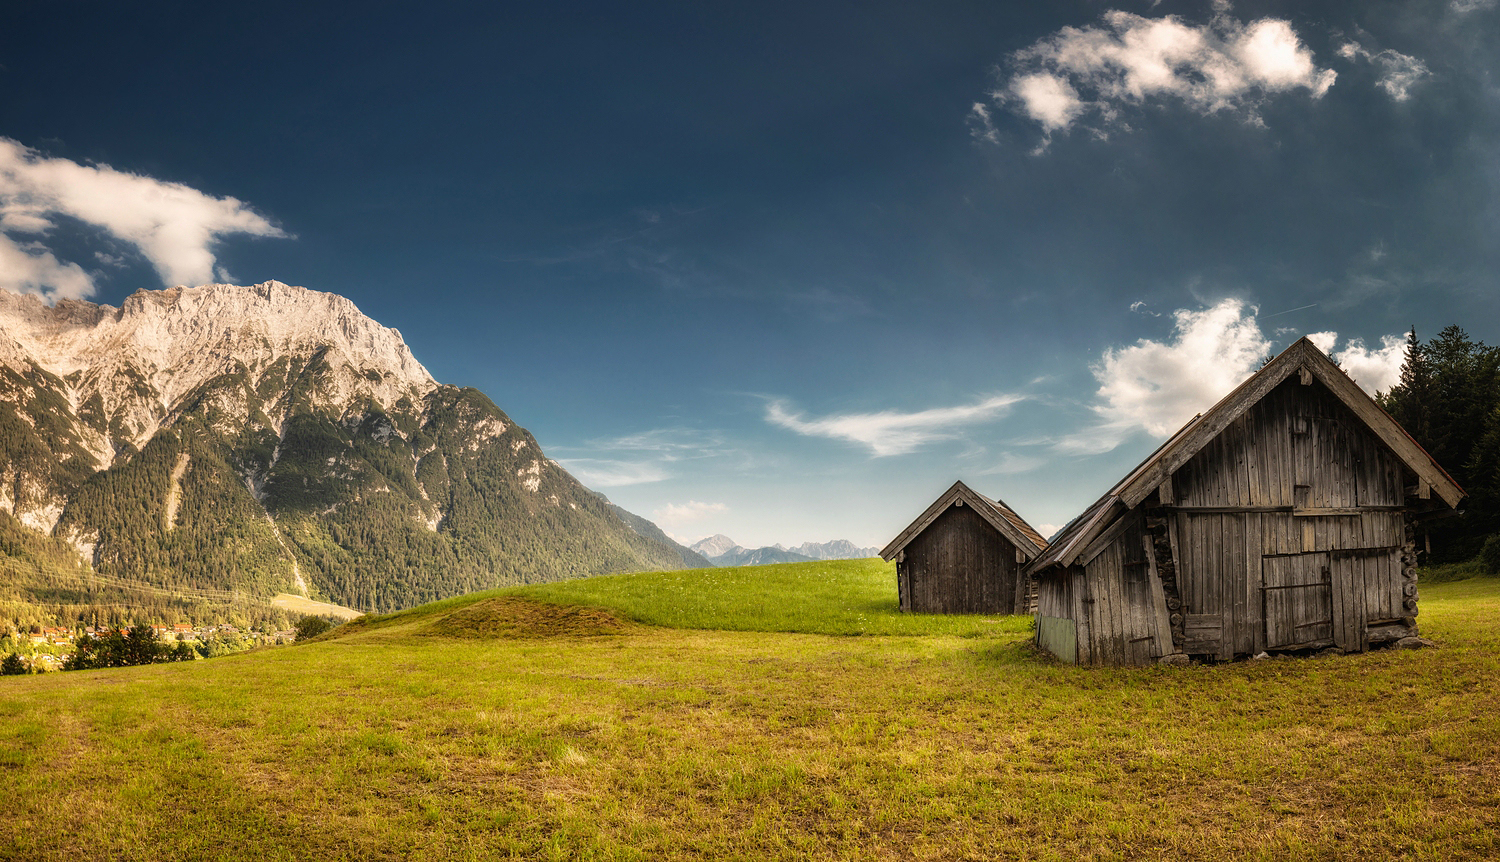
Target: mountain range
[(724, 551), (266, 439)]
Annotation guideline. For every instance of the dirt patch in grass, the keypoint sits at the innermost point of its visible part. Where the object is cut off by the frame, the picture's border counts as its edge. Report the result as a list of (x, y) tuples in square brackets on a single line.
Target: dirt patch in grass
[(513, 618)]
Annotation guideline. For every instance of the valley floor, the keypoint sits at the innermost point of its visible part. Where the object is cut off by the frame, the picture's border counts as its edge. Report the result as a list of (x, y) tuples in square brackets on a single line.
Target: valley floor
[(576, 735)]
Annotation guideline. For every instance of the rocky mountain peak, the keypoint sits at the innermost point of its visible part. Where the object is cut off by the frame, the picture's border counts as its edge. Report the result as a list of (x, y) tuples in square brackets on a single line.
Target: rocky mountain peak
[(715, 546), (138, 363), (274, 439)]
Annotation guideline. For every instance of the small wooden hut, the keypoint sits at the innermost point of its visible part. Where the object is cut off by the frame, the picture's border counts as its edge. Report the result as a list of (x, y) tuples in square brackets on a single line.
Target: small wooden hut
[(964, 555), (1280, 520)]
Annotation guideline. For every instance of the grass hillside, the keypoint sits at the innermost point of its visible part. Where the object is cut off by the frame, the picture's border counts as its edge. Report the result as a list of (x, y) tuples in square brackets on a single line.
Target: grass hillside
[(834, 597), (569, 722)]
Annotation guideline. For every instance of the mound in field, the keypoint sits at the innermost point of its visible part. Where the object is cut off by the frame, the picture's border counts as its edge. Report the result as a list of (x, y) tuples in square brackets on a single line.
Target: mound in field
[(513, 618)]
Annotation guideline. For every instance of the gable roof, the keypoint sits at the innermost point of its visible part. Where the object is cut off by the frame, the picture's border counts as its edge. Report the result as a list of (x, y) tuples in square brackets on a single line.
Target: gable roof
[(1302, 357), (999, 515)]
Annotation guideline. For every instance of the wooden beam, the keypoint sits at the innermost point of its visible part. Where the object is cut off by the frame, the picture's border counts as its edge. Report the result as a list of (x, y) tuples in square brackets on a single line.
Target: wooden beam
[(1158, 601), (1306, 375), (1097, 546)]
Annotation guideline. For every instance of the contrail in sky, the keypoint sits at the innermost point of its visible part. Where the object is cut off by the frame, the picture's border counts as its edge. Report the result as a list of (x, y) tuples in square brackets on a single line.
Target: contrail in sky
[(1288, 311)]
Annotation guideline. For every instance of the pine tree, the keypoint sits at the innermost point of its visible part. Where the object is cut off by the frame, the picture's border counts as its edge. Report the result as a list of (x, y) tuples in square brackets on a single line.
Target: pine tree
[(1409, 401)]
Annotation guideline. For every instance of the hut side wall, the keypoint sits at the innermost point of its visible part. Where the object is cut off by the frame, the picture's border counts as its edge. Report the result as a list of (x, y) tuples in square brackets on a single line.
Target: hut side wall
[(1122, 602), (1288, 530), (961, 564)]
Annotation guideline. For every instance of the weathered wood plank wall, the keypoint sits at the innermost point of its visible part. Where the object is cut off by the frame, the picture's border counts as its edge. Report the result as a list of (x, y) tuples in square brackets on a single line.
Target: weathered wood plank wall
[(961, 564), (1286, 532)]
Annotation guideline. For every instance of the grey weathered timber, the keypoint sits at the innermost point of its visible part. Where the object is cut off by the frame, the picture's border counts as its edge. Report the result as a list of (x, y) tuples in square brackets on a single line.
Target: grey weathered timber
[(1280, 519), (965, 554)]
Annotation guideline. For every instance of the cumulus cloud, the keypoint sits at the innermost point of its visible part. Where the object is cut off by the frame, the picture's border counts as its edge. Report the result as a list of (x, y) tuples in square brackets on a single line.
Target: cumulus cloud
[(1375, 369), (1091, 72), (173, 226), (1157, 386), (676, 515), (30, 268), (612, 473), (889, 432), (1160, 385), (1398, 71)]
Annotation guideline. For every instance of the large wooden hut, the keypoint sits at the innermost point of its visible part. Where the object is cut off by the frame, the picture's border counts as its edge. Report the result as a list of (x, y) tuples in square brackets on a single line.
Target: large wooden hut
[(964, 555), (1280, 520)]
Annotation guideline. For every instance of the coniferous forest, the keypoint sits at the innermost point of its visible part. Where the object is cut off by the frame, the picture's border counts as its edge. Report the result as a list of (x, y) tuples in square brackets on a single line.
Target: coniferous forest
[(1449, 401)]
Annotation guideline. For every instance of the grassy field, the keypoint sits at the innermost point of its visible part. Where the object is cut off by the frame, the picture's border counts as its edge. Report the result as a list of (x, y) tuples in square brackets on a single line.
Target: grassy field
[(793, 714)]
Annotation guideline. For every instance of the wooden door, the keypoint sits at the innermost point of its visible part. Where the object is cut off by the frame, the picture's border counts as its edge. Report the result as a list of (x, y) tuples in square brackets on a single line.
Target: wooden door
[(1298, 598)]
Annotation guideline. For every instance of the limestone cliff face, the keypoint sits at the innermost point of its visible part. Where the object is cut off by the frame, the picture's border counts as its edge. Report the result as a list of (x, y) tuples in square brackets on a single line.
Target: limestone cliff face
[(274, 438), (136, 368)]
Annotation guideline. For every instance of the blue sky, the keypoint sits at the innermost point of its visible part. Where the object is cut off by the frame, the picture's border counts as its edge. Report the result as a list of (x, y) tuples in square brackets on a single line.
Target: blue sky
[(786, 270)]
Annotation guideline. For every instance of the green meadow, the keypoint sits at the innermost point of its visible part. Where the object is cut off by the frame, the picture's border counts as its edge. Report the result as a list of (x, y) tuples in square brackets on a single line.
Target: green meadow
[(777, 712)]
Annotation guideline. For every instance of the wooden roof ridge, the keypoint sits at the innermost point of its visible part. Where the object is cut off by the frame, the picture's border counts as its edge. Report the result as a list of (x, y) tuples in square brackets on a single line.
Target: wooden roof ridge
[(1002, 517), (1138, 484)]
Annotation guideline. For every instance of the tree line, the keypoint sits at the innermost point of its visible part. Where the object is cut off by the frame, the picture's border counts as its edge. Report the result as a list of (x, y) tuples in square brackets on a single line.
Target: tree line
[(1448, 399)]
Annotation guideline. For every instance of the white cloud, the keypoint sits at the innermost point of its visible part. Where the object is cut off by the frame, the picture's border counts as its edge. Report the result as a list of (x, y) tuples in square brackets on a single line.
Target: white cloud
[(1011, 463), (1398, 71), (889, 432), (982, 125), (1324, 341), (1374, 369), (173, 226), (28, 268), (676, 515), (1463, 7), (1047, 98), (1157, 386), (608, 473), (675, 442), (1223, 65)]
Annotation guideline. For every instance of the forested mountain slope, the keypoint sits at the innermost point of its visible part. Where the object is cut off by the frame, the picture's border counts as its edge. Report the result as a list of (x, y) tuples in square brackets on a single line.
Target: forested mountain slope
[(274, 439)]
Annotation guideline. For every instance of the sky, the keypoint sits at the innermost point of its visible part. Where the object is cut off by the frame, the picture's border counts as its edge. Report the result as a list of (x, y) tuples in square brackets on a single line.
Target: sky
[(785, 271)]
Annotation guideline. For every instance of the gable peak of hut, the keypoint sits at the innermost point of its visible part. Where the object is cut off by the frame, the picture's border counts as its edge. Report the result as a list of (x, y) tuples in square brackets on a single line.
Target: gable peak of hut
[(995, 511), (1312, 366)]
